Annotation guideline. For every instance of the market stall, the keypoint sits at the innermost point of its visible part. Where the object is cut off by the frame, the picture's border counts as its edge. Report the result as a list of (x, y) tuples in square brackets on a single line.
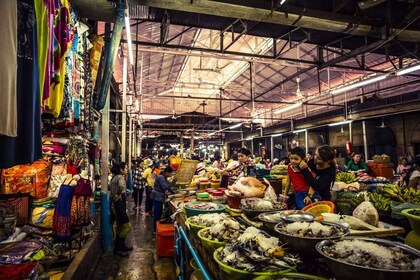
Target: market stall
[(218, 236), (49, 167)]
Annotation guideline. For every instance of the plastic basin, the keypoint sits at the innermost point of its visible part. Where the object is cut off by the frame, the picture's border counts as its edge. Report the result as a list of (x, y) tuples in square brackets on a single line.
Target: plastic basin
[(193, 211), (194, 228), (197, 271), (230, 273), (208, 244), (413, 219)]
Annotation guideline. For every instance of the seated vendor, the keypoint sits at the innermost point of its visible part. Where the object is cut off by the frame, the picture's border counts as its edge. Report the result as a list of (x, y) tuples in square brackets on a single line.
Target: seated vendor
[(243, 160), (356, 164)]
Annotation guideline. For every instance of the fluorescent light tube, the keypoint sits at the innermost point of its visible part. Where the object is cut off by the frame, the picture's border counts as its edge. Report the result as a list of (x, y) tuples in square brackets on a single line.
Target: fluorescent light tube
[(276, 135), (339, 123), (300, 130), (288, 108), (359, 84), (129, 42), (235, 126), (408, 70)]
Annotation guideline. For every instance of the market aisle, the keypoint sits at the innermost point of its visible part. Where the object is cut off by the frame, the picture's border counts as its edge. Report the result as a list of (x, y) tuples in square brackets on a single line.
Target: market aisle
[(142, 262)]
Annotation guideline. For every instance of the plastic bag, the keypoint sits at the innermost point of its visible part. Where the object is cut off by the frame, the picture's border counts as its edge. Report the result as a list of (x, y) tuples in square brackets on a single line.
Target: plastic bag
[(270, 193), (367, 212)]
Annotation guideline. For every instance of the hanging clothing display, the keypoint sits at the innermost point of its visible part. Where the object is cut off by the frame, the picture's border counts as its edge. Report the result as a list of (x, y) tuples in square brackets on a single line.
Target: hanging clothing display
[(8, 58), (61, 221), (27, 146), (61, 39), (80, 205)]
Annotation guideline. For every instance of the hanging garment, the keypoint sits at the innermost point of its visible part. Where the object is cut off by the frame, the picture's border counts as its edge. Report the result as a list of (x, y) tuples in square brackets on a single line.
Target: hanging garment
[(8, 58), (61, 39), (61, 221), (80, 205), (26, 147)]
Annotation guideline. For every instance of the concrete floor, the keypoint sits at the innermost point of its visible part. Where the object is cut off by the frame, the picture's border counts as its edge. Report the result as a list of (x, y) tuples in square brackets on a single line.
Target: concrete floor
[(142, 263)]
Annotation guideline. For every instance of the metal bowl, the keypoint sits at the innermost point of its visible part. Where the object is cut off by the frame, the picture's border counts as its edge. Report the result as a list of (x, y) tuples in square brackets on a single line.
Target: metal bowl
[(253, 214), (269, 224), (292, 216), (347, 271), (306, 245)]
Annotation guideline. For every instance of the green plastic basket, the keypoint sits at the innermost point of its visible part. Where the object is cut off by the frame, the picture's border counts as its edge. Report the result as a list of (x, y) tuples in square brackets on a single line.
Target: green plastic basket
[(413, 219), (208, 244), (230, 273), (194, 228), (193, 211), (291, 275)]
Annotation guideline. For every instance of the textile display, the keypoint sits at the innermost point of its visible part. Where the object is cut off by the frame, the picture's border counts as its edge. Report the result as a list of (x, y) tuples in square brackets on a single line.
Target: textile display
[(61, 221), (8, 57), (18, 252)]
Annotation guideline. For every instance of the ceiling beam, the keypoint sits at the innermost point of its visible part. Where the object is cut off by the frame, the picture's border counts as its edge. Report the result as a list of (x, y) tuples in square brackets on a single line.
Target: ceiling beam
[(275, 17)]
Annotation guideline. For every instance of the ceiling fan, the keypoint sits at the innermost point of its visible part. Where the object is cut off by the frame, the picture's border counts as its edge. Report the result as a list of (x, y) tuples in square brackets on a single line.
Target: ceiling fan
[(215, 69), (298, 92), (382, 124)]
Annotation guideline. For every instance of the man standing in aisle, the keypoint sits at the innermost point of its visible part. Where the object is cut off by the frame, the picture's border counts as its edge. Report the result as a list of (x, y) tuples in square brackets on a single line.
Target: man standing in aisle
[(149, 179), (138, 185)]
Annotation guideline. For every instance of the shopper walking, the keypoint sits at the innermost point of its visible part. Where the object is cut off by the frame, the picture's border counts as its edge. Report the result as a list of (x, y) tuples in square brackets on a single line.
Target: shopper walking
[(324, 171), (161, 186), (148, 177), (118, 195), (138, 185)]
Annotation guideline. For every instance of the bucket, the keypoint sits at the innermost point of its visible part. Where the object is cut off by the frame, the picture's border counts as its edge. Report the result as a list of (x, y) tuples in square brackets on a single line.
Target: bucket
[(197, 271)]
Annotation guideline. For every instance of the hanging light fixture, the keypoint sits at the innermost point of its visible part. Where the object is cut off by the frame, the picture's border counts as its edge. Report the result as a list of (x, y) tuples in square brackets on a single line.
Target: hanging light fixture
[(128, 35), (408, 70), (359, 84), (288, 108)]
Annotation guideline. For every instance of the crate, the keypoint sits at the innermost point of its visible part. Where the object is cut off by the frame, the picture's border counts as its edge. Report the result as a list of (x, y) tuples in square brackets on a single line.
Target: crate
[(165, 240), (381, 169)]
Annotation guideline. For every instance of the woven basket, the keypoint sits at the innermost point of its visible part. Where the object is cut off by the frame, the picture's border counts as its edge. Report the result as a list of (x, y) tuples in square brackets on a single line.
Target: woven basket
[(319, 207)]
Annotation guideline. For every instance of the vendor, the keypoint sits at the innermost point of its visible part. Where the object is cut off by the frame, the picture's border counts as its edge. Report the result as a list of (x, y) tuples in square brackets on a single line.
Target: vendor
[(324, 171), (356, 164), (403, 167), (161, 186), (414, 174), (243, 160)]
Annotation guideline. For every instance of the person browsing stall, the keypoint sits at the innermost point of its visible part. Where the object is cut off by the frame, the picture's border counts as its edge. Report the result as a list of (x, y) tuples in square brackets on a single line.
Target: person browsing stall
[(323, 176), (149, 178), (118, 196), (356, 164), (304, 193), (160, 188)]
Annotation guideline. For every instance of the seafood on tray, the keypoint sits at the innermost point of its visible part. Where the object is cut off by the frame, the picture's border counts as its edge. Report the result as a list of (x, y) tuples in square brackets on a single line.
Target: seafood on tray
[(313, 229), (228, 229), (261, 204), (370, 254), (208, 220), (203, 206), (255, 251)]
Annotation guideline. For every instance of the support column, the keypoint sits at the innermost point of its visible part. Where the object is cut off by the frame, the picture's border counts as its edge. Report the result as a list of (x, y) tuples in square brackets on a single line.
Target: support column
[(272, 148), (365, 144), (130, 147), (105, 199), (124, 112)]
